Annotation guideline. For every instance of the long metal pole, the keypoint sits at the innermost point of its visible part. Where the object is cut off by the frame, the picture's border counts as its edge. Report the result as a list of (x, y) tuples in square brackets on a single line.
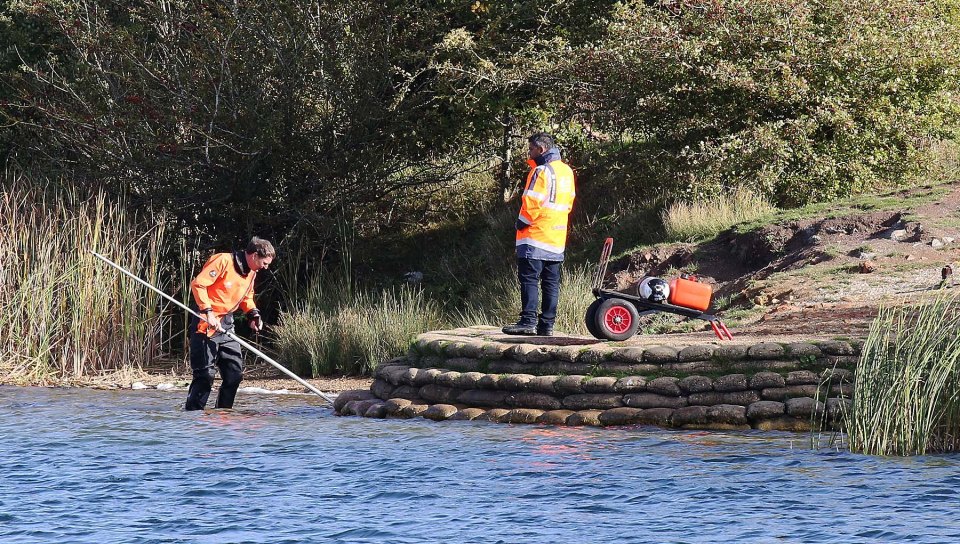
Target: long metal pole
[(242, 342)]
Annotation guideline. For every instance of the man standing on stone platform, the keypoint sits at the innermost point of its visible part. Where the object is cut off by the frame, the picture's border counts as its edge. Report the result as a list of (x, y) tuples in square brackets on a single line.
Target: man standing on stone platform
[(542, 235)]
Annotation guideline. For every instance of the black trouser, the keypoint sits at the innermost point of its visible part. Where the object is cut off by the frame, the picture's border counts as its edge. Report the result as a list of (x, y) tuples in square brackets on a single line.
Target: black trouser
[(206, 355), (536, 275)]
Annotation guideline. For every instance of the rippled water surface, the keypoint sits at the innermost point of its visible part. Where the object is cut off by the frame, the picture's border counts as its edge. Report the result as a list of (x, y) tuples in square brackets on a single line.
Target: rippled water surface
[(94, 466)]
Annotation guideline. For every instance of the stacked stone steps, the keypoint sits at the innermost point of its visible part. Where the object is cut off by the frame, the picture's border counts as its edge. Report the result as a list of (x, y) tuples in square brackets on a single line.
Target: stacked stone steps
[(475, 374)]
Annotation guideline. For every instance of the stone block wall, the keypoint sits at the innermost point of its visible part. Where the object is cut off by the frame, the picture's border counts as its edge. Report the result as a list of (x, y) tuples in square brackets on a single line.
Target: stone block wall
[(473, 373)]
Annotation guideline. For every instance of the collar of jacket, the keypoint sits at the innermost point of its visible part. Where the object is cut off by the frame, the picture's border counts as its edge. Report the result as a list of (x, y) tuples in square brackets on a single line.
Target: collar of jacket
[(240, 263), (552, 155)]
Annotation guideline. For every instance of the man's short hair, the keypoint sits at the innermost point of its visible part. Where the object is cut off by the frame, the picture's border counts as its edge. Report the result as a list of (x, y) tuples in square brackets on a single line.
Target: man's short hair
[(543, 140), (261, 247)]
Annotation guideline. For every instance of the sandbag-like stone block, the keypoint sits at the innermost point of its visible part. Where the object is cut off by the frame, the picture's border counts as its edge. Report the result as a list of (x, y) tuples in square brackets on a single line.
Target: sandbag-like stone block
[(837, 375), (347, 396), (666, 385), (406, 392), (695, 384), (529, 353), (467, 414), (661, 417), (584, 418), (692, 366), (599, 401), (600, 384), (730, 352), (555, 417), (835, 347), (844, 390), (765, 409), (483, 397), (431, 361), (454, 349), (804, 407), (789, 392), (439, 412), (660, 354), (783, 424), (469, 380), (766, 350), (489, 381), (377, 410), (506, 366), (653, 400), (382, 389), (439, 394), (413, 410), (393, 374), (569, 368), (731, 382), (463, 364), (542, 384), (449, 378), (837, 409), (723, 416), (515, 382), (426, 376), (742, 398), (630, 384), (696, 353), (631, 355), (803, 349), (594, 356), (529, 399), (569, 385), (494, 415), (471, 350), (394, 406), (522, 415), (494, 350), (767, 380), (802, 377), (620, 416), (566, 354)]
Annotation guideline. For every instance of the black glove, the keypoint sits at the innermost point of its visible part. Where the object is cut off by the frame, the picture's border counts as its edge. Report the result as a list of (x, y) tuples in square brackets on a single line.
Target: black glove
[(521, 225), (253, 317)]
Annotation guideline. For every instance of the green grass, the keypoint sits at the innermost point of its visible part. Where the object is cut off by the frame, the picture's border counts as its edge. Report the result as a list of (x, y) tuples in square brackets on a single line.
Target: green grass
[(334, 330), (907, 388), (703, 219)]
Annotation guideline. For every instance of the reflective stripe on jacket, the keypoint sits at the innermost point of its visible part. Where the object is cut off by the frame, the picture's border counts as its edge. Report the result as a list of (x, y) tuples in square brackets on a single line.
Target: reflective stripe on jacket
[(222, 286), (547, 200)]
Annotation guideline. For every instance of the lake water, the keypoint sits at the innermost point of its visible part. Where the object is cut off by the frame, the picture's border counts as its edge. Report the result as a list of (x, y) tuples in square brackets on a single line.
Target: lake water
[(130, 466)]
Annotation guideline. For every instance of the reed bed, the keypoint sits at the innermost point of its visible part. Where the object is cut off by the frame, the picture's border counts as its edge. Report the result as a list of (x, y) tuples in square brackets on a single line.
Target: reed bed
[(63, 313), (498, 301), (703, 219), (333, 329), (907, 386)]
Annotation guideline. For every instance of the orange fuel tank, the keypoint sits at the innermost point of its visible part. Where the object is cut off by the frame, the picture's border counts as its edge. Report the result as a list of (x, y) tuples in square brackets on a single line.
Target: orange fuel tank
[(690, 294)]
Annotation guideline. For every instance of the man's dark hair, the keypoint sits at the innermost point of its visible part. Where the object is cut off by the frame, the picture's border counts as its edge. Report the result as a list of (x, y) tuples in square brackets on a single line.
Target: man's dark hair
[(261, 247), (543, 140)]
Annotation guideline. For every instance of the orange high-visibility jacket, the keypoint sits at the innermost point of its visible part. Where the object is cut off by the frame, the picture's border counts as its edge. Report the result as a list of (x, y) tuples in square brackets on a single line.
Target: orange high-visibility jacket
[(222, 286), (547, 200)]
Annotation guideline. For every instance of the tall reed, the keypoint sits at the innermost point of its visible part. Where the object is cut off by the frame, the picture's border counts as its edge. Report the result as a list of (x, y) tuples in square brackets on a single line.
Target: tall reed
[(329, 330), (498, 301), (703, 219), (907, 386), (63, 313)]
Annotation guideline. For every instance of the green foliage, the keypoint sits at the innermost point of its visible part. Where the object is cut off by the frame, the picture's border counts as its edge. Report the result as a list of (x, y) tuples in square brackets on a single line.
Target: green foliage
[(805, 101), (907, 388)]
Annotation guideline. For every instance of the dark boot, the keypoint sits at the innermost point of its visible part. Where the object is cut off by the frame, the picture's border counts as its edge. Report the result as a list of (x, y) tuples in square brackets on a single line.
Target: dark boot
[(520, 329)]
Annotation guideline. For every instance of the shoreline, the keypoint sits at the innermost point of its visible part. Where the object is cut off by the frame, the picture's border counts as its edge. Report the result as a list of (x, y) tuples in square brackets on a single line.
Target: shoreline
[(257, 378)]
